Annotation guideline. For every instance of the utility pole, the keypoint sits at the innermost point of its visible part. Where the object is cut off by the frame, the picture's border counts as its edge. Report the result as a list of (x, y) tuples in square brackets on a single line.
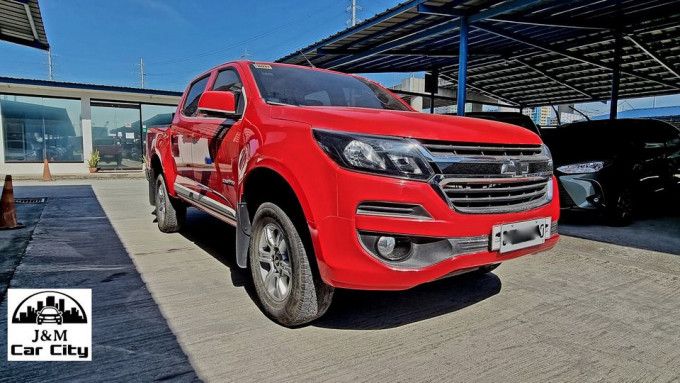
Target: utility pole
[(50, 72), (141, 71), (353, 10), (245, 54)]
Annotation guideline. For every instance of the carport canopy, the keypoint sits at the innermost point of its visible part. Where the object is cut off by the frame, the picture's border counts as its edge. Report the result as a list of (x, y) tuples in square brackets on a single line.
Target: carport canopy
[(522, 52), (21, 23)]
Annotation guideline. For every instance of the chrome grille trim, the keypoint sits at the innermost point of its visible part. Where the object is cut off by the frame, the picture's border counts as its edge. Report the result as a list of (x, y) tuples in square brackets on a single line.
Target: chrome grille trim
[(495, 197), (481, 178), (392, 209), (463, 149)]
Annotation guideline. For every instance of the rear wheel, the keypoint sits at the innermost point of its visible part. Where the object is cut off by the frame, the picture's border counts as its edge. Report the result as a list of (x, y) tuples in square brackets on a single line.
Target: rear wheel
[(288, 290), (171, 213)]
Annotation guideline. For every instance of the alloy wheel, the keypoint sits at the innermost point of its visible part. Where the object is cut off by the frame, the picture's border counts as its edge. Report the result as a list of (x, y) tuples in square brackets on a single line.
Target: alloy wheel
[(274, 262)]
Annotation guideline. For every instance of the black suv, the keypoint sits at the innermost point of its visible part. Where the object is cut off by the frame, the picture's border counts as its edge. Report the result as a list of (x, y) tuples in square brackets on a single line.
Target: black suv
[(612, 165)]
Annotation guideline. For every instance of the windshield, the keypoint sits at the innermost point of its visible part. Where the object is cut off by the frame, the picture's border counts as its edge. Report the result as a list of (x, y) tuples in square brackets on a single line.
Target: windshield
[(304, 87)]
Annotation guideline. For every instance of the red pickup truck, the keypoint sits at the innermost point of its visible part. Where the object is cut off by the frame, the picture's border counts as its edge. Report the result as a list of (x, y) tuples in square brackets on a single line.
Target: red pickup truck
[(332, 181)]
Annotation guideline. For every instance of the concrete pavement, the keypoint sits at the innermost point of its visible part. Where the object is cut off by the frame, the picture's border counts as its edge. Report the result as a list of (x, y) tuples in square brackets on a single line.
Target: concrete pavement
[(74, 246), (586, 311)]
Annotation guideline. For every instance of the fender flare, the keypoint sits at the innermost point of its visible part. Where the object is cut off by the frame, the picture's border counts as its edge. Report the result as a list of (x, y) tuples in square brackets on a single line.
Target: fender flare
[(243, 224)]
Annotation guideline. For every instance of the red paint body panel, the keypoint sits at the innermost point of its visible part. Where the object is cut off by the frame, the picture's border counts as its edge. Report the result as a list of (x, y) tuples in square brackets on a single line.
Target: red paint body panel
[(280, 138)]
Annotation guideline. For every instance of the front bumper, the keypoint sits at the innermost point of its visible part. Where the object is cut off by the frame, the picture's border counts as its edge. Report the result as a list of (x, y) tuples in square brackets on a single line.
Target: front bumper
[(581, 191), (344, 262)]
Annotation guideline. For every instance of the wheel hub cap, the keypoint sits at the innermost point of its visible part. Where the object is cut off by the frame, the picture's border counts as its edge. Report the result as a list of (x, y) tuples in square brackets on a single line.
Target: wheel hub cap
[(274, 262)]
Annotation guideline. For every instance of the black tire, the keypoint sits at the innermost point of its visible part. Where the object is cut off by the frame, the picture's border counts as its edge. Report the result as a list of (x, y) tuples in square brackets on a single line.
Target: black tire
[(486, 269), (171, 213), (620, 209), (306, 297)]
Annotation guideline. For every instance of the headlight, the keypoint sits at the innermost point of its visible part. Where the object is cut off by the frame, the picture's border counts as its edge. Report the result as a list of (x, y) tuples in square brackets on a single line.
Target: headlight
[(585, 167), (546, 152), (395, 157)]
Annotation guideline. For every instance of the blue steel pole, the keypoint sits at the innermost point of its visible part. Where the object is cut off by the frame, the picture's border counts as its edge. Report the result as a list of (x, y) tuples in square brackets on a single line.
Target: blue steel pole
[(462, 65)]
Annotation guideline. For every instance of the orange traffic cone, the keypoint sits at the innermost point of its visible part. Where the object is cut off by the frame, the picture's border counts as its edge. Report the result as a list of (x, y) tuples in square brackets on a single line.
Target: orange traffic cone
[(47, 176), (8, 213)]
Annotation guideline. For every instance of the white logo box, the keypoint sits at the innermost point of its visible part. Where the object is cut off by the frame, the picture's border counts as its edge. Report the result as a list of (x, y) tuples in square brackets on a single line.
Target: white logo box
[(49, 324)]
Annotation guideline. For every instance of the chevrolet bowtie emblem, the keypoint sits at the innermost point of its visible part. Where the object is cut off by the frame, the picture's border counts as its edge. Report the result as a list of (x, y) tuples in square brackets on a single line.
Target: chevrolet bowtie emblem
[(515, 168)]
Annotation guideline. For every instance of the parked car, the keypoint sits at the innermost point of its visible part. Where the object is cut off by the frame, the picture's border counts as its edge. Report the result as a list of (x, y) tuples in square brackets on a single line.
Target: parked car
[(110, 149), (611, 166), (332, 181), (49, 314), (514, 118)]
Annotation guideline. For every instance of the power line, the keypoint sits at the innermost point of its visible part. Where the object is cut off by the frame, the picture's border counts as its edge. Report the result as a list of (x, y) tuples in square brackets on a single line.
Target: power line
[(199, 55)]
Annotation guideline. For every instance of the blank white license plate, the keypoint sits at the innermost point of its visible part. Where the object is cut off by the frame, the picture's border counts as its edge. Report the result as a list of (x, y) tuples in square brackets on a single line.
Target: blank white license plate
[(519, 235)]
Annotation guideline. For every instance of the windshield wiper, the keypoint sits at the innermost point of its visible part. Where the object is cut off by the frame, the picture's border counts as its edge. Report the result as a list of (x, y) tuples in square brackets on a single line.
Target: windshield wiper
[(278, 103)]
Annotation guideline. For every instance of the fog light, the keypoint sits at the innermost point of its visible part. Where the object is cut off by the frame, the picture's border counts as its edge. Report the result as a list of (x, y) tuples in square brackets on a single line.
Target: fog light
[(385, 246)]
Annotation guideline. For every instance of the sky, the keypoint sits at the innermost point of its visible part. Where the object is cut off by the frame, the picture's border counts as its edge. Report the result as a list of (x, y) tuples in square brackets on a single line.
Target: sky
[(101, 42)]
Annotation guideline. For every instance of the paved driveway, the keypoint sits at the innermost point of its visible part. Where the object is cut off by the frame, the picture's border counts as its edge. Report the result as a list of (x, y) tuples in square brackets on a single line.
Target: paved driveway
[(586, 311)]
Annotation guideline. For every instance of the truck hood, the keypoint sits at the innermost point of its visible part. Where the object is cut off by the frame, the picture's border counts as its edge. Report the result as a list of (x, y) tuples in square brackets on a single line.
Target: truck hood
[(406, 124)]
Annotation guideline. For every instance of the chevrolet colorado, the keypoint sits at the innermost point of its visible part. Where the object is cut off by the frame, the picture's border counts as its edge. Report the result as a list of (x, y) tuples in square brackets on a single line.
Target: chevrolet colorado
[(333, 182)]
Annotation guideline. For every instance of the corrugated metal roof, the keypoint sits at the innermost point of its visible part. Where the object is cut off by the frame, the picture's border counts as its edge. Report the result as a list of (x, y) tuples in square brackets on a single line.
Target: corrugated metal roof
[(21, 23), (75, 85), (525, 52), (667, 111)]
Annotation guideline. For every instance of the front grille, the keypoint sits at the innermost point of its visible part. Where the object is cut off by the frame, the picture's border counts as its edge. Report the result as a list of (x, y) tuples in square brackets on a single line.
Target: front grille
[(479, 178), (495, 195), (458, 149)]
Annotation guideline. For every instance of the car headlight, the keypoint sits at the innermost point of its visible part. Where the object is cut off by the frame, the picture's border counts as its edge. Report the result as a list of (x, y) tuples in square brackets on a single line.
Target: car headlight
[(546, 152), (584, 167), (389, 156)]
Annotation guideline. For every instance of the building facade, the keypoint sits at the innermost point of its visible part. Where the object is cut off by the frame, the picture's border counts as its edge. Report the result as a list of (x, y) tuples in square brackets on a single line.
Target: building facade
[(65, 122)]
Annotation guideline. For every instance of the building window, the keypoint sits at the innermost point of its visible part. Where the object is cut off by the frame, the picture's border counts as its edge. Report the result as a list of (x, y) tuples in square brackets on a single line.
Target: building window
[(38, 128), (155, 115)]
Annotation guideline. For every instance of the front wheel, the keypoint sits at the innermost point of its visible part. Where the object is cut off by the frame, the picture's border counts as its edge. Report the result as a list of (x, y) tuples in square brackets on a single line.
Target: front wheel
[(171, 213), (620, 211), (287, 288)]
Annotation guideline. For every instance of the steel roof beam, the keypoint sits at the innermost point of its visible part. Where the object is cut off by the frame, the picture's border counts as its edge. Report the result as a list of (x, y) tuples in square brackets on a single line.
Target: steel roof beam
[(439, 11), (508, 6), (650, 52), (537, 44), (553, 78), (360, 27), (547, 23), (410, 38), (410, 52)]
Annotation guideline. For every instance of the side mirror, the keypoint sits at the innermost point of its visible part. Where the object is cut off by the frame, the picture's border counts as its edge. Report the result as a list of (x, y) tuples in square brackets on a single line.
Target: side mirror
[(217, 102)]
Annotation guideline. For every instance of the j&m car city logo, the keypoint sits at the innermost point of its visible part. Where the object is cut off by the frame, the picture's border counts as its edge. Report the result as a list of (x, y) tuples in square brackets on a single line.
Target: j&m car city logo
[(49, 325)]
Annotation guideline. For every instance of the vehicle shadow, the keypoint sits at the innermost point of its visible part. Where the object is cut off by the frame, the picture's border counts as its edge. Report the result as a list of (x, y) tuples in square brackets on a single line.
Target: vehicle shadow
[(378, 310), (353, 309)]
